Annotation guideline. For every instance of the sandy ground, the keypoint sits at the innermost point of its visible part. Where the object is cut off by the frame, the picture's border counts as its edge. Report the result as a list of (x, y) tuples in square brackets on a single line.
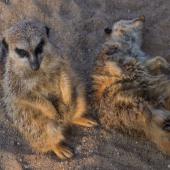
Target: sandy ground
[(77, 29)]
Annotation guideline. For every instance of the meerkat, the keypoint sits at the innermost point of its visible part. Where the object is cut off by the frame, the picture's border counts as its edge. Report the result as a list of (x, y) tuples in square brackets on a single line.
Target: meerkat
[(127, 95), (34, 75)]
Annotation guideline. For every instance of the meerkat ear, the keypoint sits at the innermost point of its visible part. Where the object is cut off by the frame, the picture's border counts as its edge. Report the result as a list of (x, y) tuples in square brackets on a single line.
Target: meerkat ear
[(5, 44), (47, 31), (108, 30), (139, 21)]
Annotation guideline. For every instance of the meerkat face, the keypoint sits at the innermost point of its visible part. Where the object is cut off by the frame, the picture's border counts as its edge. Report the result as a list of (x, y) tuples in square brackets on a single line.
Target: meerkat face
[(31, 56), (127, 32), (26, 42)]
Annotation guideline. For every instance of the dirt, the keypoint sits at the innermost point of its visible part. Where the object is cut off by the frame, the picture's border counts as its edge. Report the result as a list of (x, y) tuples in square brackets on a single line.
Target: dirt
[(77, 30)]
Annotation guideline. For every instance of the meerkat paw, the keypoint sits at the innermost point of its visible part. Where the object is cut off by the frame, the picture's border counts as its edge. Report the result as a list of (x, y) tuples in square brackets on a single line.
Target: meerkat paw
[(84, 122), (63, 152), (157, 65)]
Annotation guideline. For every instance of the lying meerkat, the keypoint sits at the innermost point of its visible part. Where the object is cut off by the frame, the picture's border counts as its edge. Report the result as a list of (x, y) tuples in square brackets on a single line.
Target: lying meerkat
[(126, 95), (34, 75)]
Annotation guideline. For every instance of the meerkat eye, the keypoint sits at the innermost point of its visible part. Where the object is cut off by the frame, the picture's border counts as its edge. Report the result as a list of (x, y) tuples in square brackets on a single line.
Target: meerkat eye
[(39, 48), (22, 53)]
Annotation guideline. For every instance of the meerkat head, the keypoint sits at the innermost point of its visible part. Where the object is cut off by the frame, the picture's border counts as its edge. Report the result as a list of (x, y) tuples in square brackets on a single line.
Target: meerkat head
[(126, 33), (26, 43)]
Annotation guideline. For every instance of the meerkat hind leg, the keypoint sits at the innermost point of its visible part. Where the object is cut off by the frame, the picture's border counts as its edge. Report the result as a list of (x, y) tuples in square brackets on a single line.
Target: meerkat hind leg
[(56, 137)]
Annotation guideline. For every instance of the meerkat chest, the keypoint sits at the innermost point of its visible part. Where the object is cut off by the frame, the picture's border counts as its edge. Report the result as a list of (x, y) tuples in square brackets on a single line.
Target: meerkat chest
[(30, 83), (42, 83), (45, 85)]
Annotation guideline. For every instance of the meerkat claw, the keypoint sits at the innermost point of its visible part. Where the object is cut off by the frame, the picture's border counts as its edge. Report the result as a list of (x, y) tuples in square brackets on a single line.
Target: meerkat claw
[(63, 152), (85, 122)]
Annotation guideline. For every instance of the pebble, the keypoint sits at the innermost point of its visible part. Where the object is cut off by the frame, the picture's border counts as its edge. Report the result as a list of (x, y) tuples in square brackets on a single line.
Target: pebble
[(78, 149), (27, 166), (20, 160)]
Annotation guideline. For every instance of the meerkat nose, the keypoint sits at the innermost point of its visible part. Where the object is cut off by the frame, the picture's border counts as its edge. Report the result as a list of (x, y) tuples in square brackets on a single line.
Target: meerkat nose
[(35, 66)]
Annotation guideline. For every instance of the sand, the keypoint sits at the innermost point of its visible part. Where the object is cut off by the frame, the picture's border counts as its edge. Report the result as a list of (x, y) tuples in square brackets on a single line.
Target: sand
[(77, 30)]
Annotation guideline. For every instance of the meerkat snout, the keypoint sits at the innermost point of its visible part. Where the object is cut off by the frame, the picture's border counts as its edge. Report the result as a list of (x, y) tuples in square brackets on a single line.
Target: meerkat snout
[(34, 63)]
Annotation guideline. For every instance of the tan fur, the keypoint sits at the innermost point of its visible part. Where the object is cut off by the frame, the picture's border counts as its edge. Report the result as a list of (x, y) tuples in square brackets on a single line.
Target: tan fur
[(44, 102), (107, 78), (125, 104)]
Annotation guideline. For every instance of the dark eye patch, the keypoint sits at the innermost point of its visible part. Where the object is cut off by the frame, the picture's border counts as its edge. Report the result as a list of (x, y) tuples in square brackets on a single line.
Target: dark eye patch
[(22, 53), (39, 48), (108, 30)]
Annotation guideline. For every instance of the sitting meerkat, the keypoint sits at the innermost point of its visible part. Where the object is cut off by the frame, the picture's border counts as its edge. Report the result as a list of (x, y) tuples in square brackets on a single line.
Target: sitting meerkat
[(126, 95), (34, 75)]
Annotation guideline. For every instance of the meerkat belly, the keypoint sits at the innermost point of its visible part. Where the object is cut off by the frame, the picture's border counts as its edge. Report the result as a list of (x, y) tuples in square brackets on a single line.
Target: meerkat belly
[(50, 90), (122, 111)]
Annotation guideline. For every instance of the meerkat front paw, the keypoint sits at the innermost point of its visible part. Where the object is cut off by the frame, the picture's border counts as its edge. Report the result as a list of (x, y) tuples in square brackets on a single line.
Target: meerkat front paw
[(157, 65), (85, 122)]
